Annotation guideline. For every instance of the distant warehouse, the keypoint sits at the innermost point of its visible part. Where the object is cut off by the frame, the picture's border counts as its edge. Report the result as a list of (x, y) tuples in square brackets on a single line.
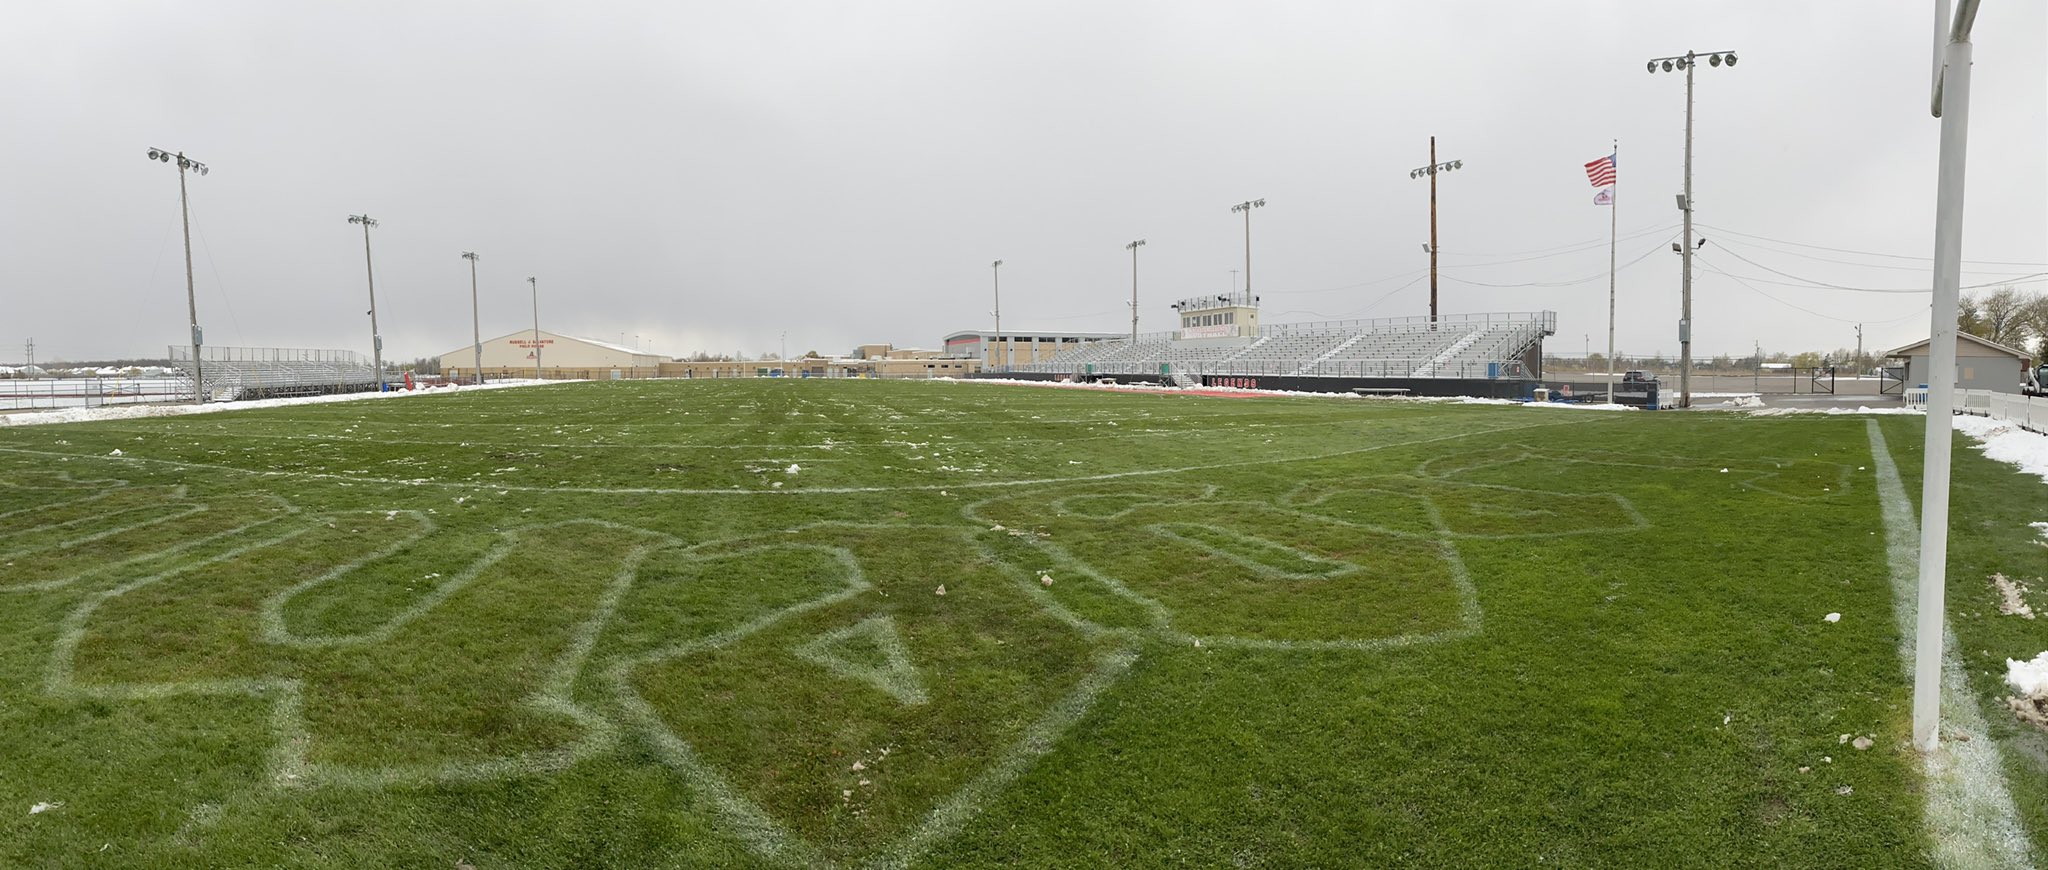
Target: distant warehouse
[(560, 356)]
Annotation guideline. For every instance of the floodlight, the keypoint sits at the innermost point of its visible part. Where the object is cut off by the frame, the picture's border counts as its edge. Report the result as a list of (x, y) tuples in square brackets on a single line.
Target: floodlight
[(1652, 66), (1457, 164), (1667, 66), (1713, 60), (152, 153), (1731, 58), (203, 170), (1676, 249)]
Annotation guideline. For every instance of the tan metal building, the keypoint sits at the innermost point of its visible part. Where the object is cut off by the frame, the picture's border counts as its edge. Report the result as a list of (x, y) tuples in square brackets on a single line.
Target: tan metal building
[(985, 347), (1980, 364), (561, 356)]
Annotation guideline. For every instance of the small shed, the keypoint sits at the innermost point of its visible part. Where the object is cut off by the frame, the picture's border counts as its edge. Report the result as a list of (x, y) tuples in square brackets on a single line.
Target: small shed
[(1981, 364)]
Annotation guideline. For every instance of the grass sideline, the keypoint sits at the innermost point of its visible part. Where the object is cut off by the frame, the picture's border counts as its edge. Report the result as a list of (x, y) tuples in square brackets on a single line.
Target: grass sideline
[(700, 624)]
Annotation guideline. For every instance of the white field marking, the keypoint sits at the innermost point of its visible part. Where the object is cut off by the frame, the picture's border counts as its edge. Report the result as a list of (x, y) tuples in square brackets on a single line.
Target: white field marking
[(745, 819), (19, 531), (1181, 532), (1292, 498), (817, 490), (1844, 479), (287, 758), (1064, 504), (1008, 441), (178, 511), (84, 499), (949, 816), (898, 678), (287, 508), (760, 832), (1970, 815), (271, 623), (1470, 615)]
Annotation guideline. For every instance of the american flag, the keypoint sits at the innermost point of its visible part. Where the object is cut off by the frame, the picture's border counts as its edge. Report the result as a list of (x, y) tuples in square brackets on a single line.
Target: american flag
[(1601, 171)]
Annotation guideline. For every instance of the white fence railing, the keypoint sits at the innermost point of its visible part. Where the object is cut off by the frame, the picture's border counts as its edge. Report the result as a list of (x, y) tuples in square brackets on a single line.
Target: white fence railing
[(2027, 412)]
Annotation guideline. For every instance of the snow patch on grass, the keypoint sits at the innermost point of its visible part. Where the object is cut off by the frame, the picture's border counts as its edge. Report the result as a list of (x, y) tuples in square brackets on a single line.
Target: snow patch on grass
[(2007, 443)]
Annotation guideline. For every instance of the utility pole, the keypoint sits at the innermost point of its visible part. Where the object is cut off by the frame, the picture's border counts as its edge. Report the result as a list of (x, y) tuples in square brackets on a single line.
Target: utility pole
[(1859, 345), (1005, 363), (1431, 170), (191, 296), (376, 339), (1247, 207), (476, 333), (1233, 281), (1133, 248), (535, 285), (1688, 62)]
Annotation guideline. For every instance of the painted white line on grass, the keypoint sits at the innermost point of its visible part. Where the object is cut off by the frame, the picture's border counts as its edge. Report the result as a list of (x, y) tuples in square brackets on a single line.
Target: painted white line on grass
[(1970, 813), (816, 490)]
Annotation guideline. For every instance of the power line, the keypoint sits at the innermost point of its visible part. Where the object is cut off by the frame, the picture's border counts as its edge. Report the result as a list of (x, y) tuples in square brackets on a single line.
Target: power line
[(1593, 277), (1754, 289), (1916, 268), (1810, 283), (1865, 253), (1573, 248)]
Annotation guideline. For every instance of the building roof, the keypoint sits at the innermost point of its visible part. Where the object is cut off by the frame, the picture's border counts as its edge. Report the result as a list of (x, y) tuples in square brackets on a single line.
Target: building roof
[(520, 333), (1961, 339), (971, 334)]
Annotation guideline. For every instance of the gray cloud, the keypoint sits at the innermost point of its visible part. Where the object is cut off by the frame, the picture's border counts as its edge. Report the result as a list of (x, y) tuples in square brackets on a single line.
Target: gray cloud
[(709, 175)]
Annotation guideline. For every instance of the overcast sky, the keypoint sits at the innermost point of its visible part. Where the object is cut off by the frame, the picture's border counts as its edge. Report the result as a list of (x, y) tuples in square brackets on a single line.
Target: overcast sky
[(708, 175)]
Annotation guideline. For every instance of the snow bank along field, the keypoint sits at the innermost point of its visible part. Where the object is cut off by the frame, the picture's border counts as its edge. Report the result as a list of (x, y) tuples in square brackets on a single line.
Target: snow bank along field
[(809, 623)]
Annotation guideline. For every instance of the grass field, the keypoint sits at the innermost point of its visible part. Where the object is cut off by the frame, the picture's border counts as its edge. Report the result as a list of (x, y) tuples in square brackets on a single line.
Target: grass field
[(774, 623)]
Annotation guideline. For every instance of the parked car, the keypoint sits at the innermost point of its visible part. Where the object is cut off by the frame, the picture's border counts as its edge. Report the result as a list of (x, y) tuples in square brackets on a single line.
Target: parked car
[(2036, 383)]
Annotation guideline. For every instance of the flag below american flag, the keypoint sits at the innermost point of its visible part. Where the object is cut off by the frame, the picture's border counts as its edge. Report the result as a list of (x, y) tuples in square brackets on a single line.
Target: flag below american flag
[(1604, 197), (1601, 171)]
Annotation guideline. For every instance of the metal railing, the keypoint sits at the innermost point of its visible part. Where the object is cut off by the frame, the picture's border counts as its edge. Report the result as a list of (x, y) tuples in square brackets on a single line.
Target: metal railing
[(94, 392)]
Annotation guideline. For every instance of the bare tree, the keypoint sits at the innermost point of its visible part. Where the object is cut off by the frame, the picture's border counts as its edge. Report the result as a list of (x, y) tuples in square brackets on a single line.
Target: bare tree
[(2033, 319), (2000, 315)]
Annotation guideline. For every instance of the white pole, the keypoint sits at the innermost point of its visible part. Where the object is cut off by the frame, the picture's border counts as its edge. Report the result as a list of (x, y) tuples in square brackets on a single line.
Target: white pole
[(1941, 351), (1613, 208)]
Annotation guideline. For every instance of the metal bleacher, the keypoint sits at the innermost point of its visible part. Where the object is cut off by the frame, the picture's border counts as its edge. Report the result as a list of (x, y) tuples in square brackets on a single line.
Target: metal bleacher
[(232, 373), (1452, 346)]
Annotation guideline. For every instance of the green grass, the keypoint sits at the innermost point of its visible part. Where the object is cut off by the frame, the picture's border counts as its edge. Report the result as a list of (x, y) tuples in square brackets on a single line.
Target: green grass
[(604, 625)]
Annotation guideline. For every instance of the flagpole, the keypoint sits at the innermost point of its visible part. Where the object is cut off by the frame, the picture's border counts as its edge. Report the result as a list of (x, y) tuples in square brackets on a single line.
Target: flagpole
[(1613, 221)]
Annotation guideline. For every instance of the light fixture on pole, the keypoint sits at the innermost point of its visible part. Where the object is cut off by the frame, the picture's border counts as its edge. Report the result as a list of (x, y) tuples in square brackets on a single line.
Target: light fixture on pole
[(1133, 248), (1247, 207), (1004, 365), (1950, 102), (1431, 171), (1687, 62), (191, 297), (376, 339), (476, 333), (535, 285)]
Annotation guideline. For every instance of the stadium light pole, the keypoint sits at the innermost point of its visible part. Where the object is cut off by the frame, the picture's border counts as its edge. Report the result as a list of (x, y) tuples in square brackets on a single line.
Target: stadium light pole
[(1431, 170), (1247, 207), (376, 339), (1688, 62), (1133, 248), (1951, 103), (191, 297), (535, 285), (476, 329), (997, 266)]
